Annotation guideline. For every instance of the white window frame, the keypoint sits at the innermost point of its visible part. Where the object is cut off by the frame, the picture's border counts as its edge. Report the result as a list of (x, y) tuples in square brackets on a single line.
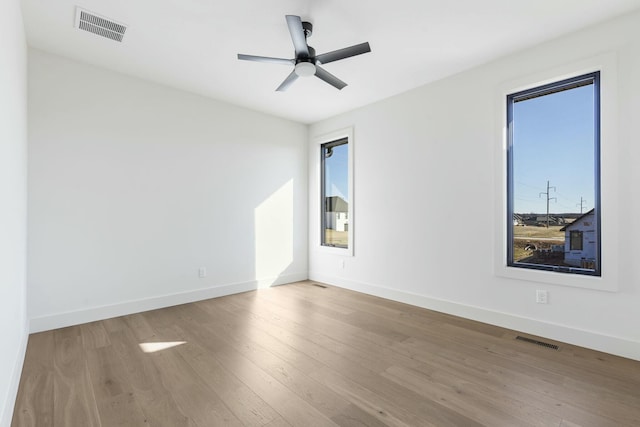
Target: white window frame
[(608, 281), (318, 141)]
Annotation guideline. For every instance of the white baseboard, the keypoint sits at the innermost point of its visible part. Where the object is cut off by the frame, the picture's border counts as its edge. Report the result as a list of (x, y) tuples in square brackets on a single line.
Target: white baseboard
[(76, 317), (7, 407), (593, 340)]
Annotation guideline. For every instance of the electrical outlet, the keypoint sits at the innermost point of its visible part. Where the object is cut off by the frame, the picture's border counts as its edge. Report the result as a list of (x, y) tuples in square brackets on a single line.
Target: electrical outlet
[(202, 272), (542, 297)]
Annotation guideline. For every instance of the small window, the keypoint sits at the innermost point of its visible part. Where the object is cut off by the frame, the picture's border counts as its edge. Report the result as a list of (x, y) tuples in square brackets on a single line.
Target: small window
[(335, 193), (553, 176), (575, 239)]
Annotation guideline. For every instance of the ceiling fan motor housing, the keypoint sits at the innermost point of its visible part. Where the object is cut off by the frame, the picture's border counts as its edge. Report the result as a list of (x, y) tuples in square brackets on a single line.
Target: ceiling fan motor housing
[(311, 58), (306, 65)]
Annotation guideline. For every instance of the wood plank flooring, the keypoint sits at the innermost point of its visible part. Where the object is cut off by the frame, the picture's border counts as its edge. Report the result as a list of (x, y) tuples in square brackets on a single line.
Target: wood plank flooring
[(306, 355)]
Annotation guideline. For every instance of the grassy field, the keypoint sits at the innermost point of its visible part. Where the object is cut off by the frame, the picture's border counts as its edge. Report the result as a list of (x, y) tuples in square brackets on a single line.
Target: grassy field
[(337, 238), (541, 237), (533, 231)]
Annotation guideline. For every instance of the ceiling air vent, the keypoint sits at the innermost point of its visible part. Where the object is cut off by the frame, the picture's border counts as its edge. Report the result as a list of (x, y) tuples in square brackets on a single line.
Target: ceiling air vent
[(99, 25)]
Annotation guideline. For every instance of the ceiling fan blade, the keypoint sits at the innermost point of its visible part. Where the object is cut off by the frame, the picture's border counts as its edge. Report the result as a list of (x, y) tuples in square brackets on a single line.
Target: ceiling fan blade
[(323, 74), (282, 61), (347, 52), (297, 35), (287, 82)]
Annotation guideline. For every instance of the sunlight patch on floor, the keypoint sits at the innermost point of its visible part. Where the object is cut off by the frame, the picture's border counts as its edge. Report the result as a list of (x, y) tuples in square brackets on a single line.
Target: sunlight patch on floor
[(152, 347)]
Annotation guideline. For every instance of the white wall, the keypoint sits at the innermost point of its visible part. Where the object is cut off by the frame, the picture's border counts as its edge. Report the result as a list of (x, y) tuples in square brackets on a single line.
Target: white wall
[(134, 186), (13, 203), (436, 153)]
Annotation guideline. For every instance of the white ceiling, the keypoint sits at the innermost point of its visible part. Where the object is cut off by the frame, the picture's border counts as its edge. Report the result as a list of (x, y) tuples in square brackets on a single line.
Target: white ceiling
[(192, 44)]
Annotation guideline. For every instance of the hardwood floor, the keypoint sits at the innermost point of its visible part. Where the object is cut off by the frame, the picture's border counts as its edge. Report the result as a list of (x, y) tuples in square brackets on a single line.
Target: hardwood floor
[(306, 355)]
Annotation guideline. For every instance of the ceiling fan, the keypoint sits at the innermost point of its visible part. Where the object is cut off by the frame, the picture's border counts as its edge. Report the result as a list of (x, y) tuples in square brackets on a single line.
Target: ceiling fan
[(306, 62)]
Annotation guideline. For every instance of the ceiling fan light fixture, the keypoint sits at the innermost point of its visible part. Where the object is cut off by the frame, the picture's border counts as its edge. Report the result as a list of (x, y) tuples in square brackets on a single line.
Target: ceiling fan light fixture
[(305, 69)]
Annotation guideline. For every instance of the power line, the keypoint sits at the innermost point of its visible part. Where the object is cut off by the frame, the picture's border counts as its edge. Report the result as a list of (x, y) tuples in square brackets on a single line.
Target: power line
[(562, 196), (528, 185)]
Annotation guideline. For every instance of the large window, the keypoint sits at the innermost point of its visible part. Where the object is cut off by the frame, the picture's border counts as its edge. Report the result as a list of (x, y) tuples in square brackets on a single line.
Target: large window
[(334, 196), (553, 176)]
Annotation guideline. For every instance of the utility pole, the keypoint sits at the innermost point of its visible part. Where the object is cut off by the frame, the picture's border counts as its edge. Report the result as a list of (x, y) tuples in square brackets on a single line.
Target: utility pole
[(548, 198), (582, 203)]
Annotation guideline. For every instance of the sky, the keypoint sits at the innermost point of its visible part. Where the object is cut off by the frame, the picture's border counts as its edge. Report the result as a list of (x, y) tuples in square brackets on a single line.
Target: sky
[(336, 172), (553, 140)]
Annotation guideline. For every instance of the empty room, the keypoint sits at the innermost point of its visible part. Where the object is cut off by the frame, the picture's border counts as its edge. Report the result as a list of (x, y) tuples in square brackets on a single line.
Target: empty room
[(319, 213)]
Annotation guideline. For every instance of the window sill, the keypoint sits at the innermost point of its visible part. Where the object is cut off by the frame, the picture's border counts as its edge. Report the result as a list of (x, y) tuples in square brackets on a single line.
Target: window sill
[(596, 283), (335, 250)]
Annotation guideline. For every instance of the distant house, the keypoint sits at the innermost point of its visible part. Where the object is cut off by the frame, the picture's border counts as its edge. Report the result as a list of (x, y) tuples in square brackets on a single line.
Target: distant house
[(580, 241), (517, 219), (553, 220), (539, 219), (337, 213)]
